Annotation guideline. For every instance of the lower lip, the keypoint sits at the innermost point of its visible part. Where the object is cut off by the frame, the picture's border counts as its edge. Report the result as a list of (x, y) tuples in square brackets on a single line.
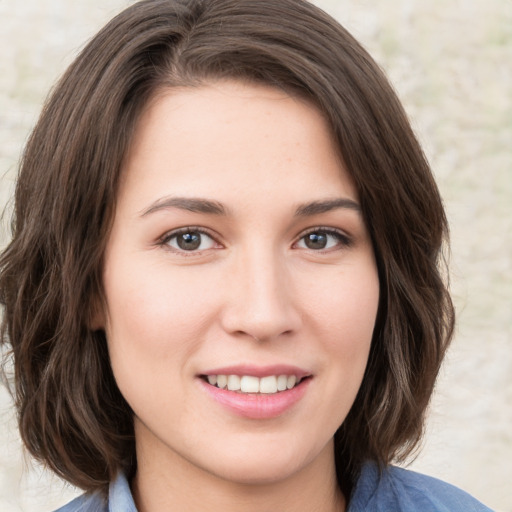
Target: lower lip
[(257, 406)]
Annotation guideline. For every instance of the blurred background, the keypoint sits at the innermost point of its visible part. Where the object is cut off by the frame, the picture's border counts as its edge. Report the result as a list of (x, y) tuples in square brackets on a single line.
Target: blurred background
[(451, 64)]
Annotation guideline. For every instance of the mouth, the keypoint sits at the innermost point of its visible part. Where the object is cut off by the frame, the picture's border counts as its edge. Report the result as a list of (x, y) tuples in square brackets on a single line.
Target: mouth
[(252, 385), (256, 392)]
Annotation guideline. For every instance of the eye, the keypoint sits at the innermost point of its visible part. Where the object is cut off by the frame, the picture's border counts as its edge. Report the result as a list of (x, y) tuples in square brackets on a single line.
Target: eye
[(323, 239), (189, 240)]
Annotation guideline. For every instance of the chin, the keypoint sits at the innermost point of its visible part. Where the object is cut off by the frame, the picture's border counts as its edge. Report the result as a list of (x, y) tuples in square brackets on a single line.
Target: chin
[(264, 467), (262, 473)]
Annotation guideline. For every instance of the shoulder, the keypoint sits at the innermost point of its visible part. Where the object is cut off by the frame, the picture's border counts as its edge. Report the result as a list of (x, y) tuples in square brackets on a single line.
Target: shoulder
[(431, 492), (399, 490)]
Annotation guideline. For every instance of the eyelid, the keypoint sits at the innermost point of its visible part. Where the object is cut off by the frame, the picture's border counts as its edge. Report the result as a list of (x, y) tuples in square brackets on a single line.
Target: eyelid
[(344, 239), (163, 241)]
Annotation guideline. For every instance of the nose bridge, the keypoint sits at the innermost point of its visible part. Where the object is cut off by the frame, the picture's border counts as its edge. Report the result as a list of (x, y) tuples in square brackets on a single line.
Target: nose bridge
[(261, 301)]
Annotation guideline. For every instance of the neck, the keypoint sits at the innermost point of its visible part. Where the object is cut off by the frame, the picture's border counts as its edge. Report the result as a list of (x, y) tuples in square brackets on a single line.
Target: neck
[(176, 484)]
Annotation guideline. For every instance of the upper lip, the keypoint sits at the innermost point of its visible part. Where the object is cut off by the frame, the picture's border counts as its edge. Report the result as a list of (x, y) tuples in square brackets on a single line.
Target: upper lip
[(259, 371)]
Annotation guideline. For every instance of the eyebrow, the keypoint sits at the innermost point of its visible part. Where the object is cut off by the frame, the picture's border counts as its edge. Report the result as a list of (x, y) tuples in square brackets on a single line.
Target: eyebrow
[(191, 204), (318, 207), (199, 205)]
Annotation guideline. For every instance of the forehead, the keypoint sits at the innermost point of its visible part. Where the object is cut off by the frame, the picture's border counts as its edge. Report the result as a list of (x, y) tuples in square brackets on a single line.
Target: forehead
[(241, 138)]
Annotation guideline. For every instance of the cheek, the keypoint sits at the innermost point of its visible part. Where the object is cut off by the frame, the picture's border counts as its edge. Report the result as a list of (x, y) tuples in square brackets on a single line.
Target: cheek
[(346, 308), (152, 325), (151, 303), (150, 339), (344, 319)]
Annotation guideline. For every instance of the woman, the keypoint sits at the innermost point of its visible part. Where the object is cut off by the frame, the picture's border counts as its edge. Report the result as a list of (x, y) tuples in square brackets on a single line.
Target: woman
[(223, 289)]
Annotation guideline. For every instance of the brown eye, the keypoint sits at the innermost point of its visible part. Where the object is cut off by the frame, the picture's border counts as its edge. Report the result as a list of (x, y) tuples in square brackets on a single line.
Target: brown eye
[(316, 240), (190, 241), (323, 239)]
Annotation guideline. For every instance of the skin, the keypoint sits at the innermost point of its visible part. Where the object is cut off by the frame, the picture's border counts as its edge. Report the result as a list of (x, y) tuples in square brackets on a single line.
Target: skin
[(253, 293)]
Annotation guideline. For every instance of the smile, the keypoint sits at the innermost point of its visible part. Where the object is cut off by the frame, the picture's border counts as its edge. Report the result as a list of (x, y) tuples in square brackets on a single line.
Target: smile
[(269, 384)]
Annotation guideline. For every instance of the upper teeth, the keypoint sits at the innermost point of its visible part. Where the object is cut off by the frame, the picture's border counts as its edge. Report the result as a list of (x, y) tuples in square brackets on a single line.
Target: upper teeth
[(250, 384)]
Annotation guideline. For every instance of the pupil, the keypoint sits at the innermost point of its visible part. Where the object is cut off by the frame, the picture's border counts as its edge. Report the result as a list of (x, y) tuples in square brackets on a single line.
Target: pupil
[(189, 241), (316, 240)]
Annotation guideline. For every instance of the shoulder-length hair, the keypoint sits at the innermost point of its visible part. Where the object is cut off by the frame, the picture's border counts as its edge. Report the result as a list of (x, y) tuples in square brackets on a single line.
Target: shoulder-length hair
[(71, 413)]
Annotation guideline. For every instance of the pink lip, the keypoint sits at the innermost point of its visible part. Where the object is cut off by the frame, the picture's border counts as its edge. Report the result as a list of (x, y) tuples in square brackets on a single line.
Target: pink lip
[(258, 406)]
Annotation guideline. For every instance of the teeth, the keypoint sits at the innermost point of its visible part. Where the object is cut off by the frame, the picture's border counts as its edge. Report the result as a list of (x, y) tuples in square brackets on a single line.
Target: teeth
[(249, 384), (291, 381), (222, 381), (268, 384), (233, 382), (281, 382)]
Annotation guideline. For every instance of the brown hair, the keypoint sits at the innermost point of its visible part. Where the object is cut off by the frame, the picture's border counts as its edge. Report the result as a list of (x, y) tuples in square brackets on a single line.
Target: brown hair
[(71, 413)]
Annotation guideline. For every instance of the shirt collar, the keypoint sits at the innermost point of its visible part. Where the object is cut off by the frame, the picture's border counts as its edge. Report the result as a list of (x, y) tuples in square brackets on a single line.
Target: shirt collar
[(120, 497)]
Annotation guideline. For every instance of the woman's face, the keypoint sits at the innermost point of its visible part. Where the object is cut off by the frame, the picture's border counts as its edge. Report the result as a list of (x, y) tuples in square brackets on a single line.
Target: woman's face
[(238, 257)]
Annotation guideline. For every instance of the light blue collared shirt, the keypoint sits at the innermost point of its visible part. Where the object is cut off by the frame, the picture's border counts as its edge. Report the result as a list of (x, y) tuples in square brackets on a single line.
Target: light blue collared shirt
[(393, 490)]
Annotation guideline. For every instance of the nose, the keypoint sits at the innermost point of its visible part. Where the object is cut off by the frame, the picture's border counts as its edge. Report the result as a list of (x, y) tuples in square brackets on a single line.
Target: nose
[(261, 302)]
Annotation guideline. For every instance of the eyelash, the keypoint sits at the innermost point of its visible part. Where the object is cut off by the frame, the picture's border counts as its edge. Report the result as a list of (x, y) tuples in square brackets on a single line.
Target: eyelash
[(344, 240), (164, 241)]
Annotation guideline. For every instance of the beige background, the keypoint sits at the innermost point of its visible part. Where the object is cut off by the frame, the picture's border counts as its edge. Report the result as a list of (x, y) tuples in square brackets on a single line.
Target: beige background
[(451, 62)]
